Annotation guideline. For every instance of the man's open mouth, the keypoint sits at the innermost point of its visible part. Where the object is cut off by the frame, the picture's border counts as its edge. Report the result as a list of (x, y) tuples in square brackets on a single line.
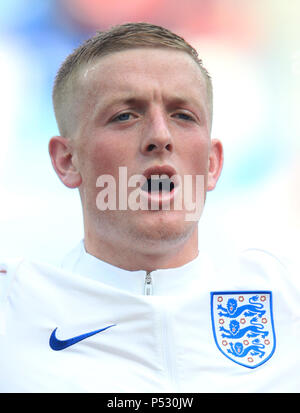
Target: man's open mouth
[(158, 184), (160, 179), (161, 185)]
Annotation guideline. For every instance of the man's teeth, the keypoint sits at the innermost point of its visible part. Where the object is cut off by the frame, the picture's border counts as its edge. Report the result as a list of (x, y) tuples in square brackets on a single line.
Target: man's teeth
[(158, 184)]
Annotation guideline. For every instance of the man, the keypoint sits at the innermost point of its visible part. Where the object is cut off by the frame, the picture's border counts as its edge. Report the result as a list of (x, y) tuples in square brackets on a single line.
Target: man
[(135, 306)]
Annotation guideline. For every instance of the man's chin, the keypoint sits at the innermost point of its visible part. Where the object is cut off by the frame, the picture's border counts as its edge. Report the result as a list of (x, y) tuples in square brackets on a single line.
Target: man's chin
[(162, 226)]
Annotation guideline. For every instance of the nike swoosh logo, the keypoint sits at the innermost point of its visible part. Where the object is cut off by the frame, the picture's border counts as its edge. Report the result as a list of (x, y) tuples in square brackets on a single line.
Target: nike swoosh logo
[(57, 344)]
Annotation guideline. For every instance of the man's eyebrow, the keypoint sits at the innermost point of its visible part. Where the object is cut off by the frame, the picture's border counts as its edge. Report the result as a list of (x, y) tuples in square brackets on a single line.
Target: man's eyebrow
[(105, 104), (183, 101), (188, 102)]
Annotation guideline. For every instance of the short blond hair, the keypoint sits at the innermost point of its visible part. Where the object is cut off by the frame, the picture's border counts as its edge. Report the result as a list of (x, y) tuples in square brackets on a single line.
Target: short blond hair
[(118, 38)]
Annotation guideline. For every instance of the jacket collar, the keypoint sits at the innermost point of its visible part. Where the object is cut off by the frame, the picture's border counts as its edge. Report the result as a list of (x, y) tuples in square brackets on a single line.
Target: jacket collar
[(172, 281)]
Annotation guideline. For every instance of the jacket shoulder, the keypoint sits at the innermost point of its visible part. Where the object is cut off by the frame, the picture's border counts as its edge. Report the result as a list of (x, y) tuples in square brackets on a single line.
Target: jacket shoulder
[(280, 269)]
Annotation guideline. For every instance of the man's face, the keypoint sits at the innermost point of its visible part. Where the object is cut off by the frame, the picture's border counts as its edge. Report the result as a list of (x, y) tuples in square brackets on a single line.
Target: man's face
[(141, 109)]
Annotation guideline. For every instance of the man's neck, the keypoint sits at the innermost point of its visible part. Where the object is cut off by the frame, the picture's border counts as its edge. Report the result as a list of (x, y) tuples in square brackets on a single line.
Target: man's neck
[(140, 256)]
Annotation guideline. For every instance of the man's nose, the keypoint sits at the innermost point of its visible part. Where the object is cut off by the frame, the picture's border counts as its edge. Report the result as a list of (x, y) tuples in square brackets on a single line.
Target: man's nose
[(157, 136)]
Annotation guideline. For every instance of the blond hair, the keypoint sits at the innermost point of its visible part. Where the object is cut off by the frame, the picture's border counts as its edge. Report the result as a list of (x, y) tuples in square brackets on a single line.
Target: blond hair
[(118, 38)]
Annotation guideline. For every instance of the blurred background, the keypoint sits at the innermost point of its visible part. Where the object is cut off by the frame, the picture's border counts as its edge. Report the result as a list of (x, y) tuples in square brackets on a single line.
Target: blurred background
[(252, 51)]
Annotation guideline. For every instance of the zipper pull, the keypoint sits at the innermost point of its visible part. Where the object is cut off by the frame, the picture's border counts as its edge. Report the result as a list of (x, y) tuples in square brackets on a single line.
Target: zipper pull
[(148, 290)]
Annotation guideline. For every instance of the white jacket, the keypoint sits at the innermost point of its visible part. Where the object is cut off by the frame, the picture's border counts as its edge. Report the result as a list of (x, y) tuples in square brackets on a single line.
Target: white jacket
[(169, 341)]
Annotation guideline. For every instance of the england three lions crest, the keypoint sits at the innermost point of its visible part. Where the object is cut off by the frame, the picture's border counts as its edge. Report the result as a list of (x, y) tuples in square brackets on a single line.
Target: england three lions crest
[(243, 326)]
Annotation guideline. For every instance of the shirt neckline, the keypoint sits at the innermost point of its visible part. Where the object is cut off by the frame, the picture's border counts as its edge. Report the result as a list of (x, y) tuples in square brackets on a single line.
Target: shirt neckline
[(171, 281)]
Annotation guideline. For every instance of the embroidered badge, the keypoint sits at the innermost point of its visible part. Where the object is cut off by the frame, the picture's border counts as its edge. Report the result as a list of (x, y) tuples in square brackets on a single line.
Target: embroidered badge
[(243, 326)]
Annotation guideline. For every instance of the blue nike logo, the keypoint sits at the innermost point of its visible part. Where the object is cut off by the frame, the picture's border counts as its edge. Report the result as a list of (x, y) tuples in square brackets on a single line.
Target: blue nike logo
[(57, 344)]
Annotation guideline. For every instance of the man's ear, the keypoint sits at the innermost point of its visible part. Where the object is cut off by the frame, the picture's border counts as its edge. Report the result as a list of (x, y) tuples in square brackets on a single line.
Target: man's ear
[(215, 164), (61, 157)]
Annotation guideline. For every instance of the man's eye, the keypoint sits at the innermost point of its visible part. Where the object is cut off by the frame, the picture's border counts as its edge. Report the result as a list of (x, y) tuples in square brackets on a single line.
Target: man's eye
[(123, 117), (184, 116)]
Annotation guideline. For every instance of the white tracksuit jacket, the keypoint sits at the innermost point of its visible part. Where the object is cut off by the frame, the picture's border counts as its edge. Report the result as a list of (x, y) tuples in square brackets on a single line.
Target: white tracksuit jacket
[(232, 326)]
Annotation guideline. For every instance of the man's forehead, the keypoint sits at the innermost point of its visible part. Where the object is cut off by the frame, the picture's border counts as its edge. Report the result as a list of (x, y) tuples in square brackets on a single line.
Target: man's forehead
[(144, 62), (136, 70)]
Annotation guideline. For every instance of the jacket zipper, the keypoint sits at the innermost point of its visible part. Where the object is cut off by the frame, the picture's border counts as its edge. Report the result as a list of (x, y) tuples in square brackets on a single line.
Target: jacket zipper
[(148, 288), (166, 339)]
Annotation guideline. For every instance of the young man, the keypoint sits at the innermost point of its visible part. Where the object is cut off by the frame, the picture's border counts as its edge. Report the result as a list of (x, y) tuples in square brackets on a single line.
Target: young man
[(136, 307)]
